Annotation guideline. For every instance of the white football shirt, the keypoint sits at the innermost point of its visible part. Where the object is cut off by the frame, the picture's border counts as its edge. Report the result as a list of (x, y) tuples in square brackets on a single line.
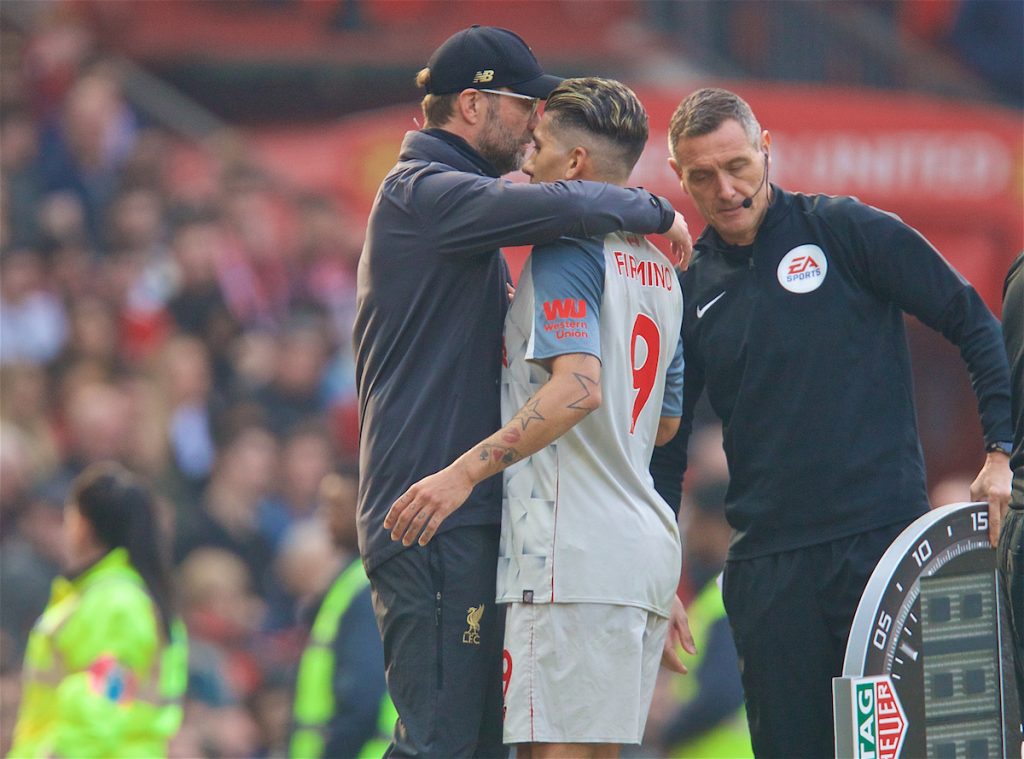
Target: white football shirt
[(581, 521)]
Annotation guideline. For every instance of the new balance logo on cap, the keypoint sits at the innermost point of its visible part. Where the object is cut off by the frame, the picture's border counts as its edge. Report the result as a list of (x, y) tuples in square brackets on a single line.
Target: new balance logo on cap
[(482, 77)]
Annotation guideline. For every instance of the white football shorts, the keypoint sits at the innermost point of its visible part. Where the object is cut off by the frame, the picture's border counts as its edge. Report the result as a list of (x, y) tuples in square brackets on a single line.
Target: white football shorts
[(579, 672)]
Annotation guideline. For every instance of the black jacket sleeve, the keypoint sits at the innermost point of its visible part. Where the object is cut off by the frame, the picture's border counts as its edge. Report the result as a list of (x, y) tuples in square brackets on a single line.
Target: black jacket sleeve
[(900, 266)]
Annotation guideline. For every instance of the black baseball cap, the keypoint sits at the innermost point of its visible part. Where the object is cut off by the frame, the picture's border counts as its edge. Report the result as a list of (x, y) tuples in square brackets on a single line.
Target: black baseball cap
[(487, 57)]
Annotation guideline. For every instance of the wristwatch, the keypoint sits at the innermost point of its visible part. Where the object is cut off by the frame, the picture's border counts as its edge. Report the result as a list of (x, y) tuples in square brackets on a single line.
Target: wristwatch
[(1006, 448)]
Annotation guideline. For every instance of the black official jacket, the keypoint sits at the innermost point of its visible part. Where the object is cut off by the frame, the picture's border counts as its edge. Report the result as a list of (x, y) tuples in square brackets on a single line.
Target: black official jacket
[(431, 305), (800, 343)]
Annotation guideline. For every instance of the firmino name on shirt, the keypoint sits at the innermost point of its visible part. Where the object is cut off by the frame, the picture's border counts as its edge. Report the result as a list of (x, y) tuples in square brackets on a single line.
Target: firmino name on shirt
[(649, 273)]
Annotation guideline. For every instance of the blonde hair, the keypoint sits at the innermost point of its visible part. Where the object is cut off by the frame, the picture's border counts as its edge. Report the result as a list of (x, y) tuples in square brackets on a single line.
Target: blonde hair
[(437, 109)]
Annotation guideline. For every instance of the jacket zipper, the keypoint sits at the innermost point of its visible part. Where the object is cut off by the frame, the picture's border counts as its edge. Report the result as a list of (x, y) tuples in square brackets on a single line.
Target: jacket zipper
[(440, 639)]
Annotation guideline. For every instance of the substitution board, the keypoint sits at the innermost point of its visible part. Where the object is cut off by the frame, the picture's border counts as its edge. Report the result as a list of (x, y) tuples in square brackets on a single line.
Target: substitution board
[(928, 669)]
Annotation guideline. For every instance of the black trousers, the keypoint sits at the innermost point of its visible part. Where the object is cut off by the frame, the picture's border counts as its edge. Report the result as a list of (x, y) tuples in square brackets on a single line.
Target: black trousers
[(790, 615), (443, 640), (1010, 562)]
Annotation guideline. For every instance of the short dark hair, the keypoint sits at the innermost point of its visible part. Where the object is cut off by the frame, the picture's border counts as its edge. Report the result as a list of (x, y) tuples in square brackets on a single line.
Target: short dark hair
[(604, 108), (437, 109), (705, 110)]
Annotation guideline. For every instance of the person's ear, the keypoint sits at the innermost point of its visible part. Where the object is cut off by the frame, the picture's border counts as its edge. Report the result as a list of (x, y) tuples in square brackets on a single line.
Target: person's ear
[(470, 106), (77, 529), (678, 171), (675, 168), (579, 159)]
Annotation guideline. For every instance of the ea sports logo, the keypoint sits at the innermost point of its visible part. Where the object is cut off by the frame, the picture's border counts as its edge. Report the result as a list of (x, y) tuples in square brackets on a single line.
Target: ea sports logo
[(803, 269)]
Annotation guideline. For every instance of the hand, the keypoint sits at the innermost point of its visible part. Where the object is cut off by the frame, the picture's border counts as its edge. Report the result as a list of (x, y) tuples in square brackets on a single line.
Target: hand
[(993, 485), (682, 244), (510, 290), (678, 635), (422, 508)]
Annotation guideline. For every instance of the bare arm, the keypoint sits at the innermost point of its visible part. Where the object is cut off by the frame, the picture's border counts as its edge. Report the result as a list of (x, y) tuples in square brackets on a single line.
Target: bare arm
[(668, 426), (572, 392)]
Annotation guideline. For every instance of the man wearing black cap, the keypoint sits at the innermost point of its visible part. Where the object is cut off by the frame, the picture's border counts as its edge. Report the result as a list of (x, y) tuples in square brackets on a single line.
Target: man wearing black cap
[(431, 304)]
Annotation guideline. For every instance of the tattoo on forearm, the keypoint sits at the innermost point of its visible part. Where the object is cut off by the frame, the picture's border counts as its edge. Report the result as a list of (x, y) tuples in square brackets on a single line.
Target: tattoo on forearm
[(496, 453), (584, 402), (529, 413)]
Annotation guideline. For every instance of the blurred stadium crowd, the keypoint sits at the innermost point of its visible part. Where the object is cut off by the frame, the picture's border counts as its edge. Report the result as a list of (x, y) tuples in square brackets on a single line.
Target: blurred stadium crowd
[(195, 326), (202, 340)]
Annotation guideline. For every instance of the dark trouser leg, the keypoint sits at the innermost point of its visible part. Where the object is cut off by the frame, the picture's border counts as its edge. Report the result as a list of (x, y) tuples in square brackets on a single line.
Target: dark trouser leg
[(785, 655), (845, 571), (791, 614), (443, 662)]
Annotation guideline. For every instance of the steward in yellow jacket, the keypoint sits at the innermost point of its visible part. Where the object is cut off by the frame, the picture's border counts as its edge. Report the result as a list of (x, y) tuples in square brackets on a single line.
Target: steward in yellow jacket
[(711, 722), (104, 671), (342, 707)]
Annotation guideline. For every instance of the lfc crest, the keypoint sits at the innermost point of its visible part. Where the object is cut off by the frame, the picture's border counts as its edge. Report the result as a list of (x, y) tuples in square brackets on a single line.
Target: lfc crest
[(472, 635)]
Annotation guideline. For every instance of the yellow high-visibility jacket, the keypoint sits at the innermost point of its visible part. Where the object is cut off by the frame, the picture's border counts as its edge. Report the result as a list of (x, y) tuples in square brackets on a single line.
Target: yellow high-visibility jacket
[(314, 691), (100, 677), (730, 739)]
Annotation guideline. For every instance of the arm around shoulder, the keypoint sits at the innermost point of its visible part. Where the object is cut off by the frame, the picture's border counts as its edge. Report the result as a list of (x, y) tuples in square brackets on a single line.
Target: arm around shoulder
[(464, 213)]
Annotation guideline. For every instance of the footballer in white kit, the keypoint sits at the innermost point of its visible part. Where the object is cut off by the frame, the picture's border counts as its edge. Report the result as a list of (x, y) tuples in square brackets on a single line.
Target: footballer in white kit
[(582, 526)]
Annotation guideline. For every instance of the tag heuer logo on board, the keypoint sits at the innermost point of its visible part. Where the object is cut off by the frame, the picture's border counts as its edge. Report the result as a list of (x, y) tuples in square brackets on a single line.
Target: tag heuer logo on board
[(880, 720)]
